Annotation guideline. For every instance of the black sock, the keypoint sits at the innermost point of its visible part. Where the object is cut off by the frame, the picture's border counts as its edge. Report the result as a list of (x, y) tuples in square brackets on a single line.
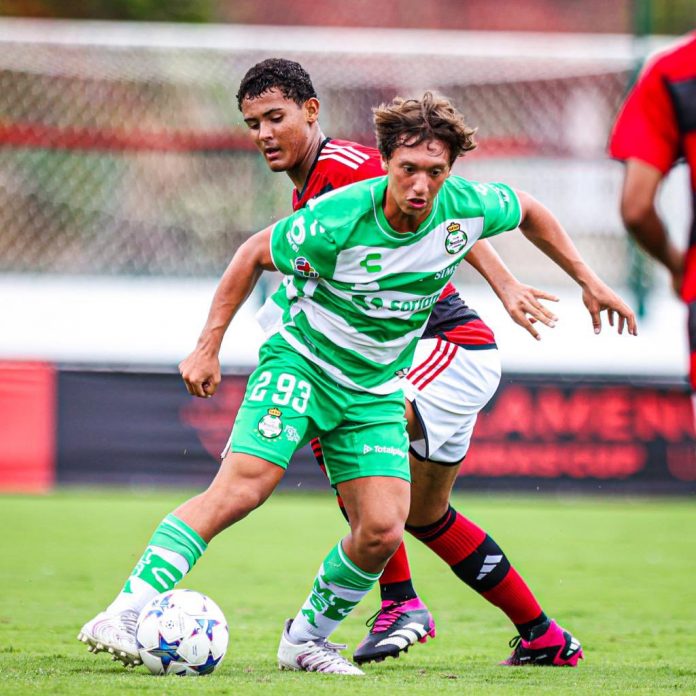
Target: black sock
[(397, 591), (525, 629)]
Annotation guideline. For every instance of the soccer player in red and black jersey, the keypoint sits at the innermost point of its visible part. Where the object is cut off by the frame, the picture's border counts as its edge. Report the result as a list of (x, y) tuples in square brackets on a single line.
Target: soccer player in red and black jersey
[(655, 128), (456, 371)]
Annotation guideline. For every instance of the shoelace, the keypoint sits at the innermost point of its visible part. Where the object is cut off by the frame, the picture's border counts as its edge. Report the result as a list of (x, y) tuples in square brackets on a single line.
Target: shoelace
[(384, 617), (514, 643), (129, 621), (319, 656)]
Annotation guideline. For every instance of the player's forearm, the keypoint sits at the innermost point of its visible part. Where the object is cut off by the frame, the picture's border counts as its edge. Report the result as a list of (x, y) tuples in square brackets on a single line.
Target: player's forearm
[(639, 214), (486, 261), (542, 228), (236, 284), (650, 233)]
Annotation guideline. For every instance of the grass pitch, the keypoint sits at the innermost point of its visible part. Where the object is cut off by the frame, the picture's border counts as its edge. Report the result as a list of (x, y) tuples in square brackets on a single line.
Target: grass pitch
[(619, 573)]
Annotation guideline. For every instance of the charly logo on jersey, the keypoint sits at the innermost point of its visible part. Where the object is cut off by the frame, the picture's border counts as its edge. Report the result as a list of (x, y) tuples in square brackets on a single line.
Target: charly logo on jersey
[(369, 263), (271, 425), (456, 238), (304, 268)]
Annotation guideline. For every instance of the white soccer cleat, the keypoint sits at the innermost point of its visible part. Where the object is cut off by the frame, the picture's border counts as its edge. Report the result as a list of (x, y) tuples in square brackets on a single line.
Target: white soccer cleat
[(313, 656), (115, 634)]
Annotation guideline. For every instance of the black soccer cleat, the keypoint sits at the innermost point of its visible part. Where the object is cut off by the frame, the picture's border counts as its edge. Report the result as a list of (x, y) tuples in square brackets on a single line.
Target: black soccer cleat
[(394, 629)]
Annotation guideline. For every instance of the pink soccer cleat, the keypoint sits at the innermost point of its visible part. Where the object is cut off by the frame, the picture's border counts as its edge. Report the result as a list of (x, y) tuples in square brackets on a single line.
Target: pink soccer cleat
[(394, 629), (549, 645)]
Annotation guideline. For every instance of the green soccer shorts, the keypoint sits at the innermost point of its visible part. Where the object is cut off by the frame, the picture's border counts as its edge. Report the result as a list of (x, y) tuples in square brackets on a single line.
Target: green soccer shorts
[(289, 401)]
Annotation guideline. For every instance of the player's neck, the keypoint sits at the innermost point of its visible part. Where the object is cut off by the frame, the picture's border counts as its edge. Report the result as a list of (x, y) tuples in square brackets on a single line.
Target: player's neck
[(299, 173), (400, 221)]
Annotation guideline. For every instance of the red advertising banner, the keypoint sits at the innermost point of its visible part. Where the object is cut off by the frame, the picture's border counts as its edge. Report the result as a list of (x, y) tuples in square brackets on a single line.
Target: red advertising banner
[(27, 426), (546, 427), (539, 432)]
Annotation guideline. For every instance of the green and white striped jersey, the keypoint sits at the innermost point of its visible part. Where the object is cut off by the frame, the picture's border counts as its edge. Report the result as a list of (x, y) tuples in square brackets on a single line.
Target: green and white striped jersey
[(361, 293)]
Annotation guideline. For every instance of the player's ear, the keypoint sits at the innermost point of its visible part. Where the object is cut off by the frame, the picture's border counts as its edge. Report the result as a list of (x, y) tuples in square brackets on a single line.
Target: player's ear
[(385, 164), (311, 110)]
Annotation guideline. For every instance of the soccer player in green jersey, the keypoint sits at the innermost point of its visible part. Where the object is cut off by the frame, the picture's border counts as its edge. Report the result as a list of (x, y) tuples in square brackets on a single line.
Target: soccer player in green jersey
[(455, 372), (368, 261)]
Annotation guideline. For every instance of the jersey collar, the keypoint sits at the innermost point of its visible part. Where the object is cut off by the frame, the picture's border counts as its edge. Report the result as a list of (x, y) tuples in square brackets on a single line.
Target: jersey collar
[(301, 193)]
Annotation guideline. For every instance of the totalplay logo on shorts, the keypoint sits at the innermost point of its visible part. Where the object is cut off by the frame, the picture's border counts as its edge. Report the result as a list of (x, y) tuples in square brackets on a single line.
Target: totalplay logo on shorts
[(384, 450)]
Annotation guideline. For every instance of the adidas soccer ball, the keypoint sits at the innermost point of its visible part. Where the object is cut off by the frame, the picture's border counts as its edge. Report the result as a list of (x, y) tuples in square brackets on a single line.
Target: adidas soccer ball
[(182, 632)]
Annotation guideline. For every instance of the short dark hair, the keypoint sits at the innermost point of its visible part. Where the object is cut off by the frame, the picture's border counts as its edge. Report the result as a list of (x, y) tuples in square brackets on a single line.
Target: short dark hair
[(288, 76), (409, 122)]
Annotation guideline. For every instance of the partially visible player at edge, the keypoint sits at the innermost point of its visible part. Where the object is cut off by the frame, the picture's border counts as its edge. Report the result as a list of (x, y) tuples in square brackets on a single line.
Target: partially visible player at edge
[(334, 368), (456, 371), (654, 129)]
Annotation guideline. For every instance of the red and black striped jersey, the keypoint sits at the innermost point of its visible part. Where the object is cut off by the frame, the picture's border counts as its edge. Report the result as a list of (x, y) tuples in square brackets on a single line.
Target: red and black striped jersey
[(342, 162), (339, 162), (657, 124)]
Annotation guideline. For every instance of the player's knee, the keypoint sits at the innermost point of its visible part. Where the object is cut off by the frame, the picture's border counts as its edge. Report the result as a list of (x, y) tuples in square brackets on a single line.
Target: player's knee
[(379, 541), (430, 500), (427, 512), (233, 505)]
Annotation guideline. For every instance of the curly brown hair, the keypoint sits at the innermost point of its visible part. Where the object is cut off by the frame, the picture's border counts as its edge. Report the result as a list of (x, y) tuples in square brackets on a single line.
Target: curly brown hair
[(410, 122)]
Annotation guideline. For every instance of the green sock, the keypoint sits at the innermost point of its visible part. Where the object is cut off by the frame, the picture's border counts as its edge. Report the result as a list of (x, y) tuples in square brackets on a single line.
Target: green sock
[(171, 552), (338, 587)]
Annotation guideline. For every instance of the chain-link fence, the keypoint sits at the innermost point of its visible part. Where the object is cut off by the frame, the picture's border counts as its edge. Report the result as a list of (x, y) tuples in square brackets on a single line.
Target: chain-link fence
[(122, 149)]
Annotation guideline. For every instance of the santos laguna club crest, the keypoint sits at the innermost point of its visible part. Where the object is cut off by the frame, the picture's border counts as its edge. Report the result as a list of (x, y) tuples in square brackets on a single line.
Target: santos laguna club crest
[(456, 238), (270, 425)]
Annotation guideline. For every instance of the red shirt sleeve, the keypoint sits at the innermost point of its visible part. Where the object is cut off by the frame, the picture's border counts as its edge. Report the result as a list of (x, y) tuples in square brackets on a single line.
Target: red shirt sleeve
[(646, 127)]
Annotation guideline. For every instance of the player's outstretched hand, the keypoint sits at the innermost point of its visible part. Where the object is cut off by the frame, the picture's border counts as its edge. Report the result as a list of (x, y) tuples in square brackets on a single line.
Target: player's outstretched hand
[(201, 373), (522, 304), (599, 297)]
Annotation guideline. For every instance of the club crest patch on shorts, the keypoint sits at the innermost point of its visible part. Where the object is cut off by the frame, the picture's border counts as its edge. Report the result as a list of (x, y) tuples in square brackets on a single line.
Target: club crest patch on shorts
[(271, 425), (456, 238)]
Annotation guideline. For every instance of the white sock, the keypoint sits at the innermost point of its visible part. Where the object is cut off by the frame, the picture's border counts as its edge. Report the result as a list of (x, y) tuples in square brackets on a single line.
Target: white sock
[(137, 592)]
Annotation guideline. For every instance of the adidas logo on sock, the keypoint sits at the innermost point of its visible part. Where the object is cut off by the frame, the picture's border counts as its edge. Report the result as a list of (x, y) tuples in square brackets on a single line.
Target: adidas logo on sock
[(489, 563)]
